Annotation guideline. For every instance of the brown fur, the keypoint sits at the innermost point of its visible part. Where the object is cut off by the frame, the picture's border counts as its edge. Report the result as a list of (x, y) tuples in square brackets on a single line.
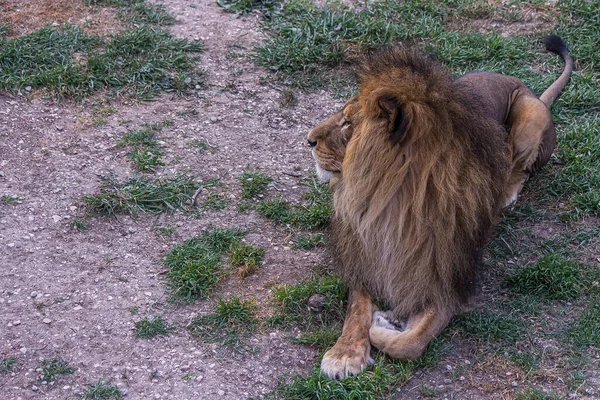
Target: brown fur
[(424, 175)]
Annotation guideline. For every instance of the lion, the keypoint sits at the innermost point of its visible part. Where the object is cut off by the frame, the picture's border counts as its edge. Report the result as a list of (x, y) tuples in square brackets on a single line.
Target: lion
[(427, 165)]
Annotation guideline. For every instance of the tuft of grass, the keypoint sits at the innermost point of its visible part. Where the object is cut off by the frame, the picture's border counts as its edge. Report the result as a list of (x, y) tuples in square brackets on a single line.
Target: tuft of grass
[(246, 258), (553, 277), (231, 321), (245, 6), (54, 366), (196, 265), (293, 300), (145, 151), (215, 201), (10, 200), (586, 329), (313, 214), (142, 194), (253, 184), (322, 338), (145, 13), (146, 328), (7, 364), (138, 62), (374, 383), (537, 394), (309, 242), (491, 327), (102, 390)]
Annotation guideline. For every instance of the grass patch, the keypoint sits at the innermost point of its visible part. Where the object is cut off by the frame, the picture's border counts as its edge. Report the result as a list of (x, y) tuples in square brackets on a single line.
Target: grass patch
[(196, 265), (314, 213), (7, 364), (586, 329), (243, 7), (54, 366), (553, 277), (102, 390), (215, 202), (253, 184), (491, 327), (231, 321), (147, 328), (309, 242), (142, 194), (10, 200), (146, 13), (145, 151), (537, 394), (246, 258), (65, 61), (374, 383), (293, 301)]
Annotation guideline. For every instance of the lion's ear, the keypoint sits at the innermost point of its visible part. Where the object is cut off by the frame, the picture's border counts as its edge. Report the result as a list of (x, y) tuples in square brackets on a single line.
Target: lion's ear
[(397, 120)]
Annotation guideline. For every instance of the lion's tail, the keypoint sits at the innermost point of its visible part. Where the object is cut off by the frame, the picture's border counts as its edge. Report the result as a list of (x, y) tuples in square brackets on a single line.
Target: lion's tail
[(556, 45)]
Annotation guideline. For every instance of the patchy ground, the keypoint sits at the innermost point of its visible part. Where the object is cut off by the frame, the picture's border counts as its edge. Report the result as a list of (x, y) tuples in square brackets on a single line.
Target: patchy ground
[(76, 295), (68, 294)]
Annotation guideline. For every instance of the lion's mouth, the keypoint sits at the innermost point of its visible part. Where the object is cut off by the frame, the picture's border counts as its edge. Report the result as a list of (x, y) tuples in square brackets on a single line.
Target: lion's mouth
[(323, 174)]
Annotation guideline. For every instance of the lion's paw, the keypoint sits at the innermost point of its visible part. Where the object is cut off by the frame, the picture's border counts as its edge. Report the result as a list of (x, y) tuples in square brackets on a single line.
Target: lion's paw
[(384, 320), (346, 359)]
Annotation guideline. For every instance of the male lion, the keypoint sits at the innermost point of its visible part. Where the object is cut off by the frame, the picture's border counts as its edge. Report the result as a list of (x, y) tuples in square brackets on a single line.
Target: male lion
[(427, 164)]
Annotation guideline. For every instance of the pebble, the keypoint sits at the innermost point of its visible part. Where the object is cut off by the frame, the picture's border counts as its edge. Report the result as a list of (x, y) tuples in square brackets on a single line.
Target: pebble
[(46, 320), (28, 88), (34, 388), (221, 392), (449, 367), (148, 293), (56, 218), (17, 322), (33, 294), (447, 381), (514, 384)]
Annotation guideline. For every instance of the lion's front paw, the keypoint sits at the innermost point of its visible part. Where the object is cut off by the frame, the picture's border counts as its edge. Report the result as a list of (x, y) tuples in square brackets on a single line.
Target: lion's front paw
[(346, 359)]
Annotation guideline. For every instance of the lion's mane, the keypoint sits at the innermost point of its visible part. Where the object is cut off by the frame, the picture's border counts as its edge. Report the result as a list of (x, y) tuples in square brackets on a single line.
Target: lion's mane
[(422, 182)]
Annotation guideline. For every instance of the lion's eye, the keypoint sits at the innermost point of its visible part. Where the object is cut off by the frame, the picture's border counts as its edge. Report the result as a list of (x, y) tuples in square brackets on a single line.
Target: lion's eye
[(346, 123)]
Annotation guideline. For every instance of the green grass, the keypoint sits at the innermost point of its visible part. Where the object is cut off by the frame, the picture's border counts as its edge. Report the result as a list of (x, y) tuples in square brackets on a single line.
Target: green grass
[(246, 258), (215, 202), (537, 394), (7, 364), (231, 321), (140, 194), (376, 382), (196, 265), (586, 329), (245, 6), (253, 184), (146, 328), (102, 390), (491, 327), (52, 367), (553, 277), (292, 301), (145, 150), (314, 213), (10, 200), (138, 62), (145, 13), (309, 242)]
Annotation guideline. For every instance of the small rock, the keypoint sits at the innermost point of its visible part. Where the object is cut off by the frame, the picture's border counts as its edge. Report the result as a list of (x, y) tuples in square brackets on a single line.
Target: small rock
[(17, 322), (56, 218), (33, 294), (448, 367), (77, 308), (66, 387), (514, 384), (35, 388), (46, 320), (28, 88), (221, 392), (447, 381), (213, 119), (317, 301), (148, 294)]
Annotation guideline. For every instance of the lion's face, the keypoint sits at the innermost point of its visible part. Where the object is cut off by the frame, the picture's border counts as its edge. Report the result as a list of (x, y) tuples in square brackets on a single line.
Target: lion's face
[(330, 139)]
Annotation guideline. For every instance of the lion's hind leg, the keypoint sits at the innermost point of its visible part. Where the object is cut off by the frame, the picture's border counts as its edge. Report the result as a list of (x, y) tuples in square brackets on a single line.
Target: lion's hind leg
[(407, 341), (351, 353), (533, 139)]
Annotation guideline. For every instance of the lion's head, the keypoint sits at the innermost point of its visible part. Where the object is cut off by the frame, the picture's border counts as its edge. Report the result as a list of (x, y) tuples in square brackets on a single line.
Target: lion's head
[(329, 141), (422, 176)]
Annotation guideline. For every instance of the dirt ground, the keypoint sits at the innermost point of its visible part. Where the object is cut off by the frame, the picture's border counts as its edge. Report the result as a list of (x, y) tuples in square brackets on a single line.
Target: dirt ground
[(67, 294)]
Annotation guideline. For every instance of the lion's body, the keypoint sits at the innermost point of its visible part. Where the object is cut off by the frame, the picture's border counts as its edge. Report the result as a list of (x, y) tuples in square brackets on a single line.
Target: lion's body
[(427, 164)]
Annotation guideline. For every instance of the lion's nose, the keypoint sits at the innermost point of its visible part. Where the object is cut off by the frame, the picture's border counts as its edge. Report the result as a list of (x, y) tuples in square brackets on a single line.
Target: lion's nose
[(311, 143)]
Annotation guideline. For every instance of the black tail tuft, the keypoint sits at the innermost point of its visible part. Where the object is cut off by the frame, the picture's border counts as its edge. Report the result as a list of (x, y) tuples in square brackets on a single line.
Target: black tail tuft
[(556, 45)]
